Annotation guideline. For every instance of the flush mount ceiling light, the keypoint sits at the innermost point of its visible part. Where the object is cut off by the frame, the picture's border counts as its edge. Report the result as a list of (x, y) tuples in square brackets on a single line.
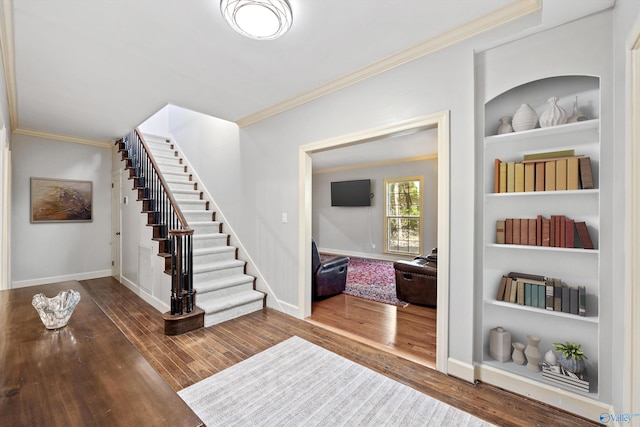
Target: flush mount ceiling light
[(258, 19)]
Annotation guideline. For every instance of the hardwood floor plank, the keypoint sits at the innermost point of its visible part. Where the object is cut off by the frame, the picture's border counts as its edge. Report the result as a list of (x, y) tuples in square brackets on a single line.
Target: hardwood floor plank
[(218, 347)]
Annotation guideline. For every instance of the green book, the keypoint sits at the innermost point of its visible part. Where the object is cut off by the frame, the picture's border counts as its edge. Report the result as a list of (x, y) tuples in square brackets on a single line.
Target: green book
[(534, 295), (527, 294), (542, 290)]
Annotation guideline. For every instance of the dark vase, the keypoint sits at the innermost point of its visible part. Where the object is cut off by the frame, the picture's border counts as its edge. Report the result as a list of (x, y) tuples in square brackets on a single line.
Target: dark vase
[(572, 365)]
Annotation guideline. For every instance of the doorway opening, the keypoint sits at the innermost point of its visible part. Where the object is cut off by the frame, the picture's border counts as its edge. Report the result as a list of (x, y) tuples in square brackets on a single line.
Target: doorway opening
[(437, 121)]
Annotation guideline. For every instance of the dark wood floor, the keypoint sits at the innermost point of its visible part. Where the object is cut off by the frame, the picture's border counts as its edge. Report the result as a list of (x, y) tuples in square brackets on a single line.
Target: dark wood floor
[(408, 331), (188, 358)]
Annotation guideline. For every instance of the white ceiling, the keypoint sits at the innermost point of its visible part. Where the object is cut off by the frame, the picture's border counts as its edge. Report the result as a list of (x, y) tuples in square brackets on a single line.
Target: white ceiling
[(95, 69)]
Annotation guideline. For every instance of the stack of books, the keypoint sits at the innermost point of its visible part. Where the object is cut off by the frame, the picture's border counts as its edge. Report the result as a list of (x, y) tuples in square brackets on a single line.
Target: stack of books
[(542, 292), (558, 375), (549, 171), (557, 231)]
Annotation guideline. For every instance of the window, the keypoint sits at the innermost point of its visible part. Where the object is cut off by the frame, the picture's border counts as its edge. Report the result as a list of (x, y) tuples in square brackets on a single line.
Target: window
[(403, 215)]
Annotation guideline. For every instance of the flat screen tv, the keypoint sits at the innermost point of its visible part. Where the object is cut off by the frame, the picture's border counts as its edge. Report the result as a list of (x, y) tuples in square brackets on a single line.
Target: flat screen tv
[(351, 193)]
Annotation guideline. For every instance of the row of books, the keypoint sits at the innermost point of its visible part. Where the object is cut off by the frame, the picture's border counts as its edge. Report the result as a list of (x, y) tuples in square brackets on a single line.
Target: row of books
[(557, 231), (551, 171), (540, 292), (558, 375)]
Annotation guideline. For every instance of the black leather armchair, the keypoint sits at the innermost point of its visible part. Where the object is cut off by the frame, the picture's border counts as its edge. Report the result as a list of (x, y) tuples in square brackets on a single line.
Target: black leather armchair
[(328, 277)]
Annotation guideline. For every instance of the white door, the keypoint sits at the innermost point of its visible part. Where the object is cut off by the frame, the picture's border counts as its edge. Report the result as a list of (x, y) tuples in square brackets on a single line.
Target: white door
[(116, 198)]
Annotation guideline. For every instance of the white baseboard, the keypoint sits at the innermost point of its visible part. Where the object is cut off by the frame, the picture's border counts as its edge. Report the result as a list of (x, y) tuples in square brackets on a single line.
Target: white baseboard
[(464, 371), (58, 279), (285, 307), (578, 404), (383, 257), (158, 304)]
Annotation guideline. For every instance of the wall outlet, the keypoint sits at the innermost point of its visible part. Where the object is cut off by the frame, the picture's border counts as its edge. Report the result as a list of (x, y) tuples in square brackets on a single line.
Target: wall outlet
[(284, 217), (373, 246)]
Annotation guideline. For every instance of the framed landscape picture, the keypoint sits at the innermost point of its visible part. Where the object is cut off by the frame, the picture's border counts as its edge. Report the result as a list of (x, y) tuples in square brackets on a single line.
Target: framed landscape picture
[(61, 200)]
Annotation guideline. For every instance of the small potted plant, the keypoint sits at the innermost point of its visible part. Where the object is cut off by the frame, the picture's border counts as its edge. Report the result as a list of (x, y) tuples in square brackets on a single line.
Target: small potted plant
[(572, 358)]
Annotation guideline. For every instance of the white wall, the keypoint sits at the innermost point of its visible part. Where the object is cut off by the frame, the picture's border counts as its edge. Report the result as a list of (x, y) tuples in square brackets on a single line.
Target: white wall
[(353, 230), (625, 16), (255, 180), (50, 252), (5, 181)]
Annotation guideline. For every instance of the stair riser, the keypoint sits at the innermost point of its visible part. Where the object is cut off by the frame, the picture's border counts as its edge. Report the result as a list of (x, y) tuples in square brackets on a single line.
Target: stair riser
[(192, 204), (192, 195), (186, 185), (210, 242), (209, 276), (198, 216), (208, 228), (172, 168), (204, 297), (214, 257), (223, 316)]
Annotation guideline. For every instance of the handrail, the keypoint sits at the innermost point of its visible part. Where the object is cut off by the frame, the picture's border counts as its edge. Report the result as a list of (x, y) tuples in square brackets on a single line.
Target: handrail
[(163, 182), (170, 225)]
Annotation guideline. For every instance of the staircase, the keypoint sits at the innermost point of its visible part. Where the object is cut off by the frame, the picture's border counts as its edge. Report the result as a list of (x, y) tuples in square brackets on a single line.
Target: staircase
[(223, 289)]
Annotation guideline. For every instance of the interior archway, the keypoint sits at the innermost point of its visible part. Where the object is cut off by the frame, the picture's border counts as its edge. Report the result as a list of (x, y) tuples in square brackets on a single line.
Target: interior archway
[(439, 121)]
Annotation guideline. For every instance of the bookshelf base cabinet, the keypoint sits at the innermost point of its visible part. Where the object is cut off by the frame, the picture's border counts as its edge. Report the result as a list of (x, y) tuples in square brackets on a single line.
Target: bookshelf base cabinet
[(516, 241)]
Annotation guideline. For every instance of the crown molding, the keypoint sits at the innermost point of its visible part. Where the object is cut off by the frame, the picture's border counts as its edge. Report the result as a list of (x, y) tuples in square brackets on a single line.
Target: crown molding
[(64, 138), (513, 11), (8, 59), (376, 164)]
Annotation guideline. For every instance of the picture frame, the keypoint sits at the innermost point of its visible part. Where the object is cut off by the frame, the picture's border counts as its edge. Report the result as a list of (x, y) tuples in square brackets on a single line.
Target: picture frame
[(61, 200)]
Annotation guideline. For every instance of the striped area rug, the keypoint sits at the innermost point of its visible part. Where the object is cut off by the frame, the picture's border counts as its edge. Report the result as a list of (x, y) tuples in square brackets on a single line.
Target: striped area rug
[(297, 383)]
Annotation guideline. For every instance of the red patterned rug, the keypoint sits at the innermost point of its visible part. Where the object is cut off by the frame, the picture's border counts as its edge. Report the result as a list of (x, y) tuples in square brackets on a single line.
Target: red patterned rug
[(372, 279)]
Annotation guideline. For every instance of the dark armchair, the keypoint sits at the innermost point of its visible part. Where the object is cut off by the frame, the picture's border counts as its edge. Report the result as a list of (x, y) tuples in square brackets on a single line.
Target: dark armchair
[(328, 277)]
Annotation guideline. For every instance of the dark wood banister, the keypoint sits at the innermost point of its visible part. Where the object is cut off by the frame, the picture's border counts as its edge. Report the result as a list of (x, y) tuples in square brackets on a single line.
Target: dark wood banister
[(178, 240), (165, 185)]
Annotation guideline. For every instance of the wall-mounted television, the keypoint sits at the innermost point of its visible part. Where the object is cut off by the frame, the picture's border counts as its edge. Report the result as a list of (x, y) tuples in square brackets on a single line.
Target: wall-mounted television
[(351, 193)]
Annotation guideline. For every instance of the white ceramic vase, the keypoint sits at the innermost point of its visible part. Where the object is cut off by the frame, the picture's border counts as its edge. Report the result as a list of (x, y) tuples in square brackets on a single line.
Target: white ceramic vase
[(518, 353), (533, 354), (505, 125), (554, 115), (577, 116), (525, 118)]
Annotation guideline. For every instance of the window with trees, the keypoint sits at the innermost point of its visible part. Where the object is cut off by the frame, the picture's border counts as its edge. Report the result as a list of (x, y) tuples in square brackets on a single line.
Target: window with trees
[(403, 215)]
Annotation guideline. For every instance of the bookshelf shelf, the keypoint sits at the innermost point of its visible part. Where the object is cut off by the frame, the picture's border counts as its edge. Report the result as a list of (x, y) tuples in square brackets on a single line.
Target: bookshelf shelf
[(559, 193), (540, 133), (576, 266), (541, 312), (521, 370), (543, 248)]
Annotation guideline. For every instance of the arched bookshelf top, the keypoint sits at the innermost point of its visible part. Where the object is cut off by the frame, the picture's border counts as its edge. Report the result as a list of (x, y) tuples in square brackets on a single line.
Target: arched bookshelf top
[(538, 92)]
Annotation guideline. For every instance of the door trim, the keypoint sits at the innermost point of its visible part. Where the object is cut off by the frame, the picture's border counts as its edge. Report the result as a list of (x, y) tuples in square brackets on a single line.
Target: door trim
[(438, 121)]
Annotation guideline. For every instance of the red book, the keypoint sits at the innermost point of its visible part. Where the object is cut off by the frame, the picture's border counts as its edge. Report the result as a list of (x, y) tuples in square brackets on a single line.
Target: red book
[(569, 232), (583, 233), (508, 231), (539, 230), (516, 231), (552, 231), (546, 232), (533, 234), (563, 233), (524, 231)]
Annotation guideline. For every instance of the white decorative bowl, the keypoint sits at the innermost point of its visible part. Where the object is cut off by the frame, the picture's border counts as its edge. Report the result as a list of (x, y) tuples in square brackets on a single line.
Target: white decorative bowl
[(55, 312)]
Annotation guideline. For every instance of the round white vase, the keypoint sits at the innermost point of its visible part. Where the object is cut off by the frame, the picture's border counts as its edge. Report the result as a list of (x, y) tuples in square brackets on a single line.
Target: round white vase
[(525, 118)]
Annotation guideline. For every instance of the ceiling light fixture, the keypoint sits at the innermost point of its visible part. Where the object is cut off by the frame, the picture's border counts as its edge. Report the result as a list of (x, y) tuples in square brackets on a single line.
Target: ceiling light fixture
[(258, 19)]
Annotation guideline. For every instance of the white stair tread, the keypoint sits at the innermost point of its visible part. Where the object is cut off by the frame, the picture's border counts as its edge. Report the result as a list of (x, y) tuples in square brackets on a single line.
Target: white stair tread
[(220, 265), (231, 301), (223, 282), (213, 250)]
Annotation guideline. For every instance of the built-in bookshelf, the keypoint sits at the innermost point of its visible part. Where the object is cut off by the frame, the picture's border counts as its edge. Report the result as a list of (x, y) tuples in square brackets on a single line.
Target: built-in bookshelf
[(574, 266)]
